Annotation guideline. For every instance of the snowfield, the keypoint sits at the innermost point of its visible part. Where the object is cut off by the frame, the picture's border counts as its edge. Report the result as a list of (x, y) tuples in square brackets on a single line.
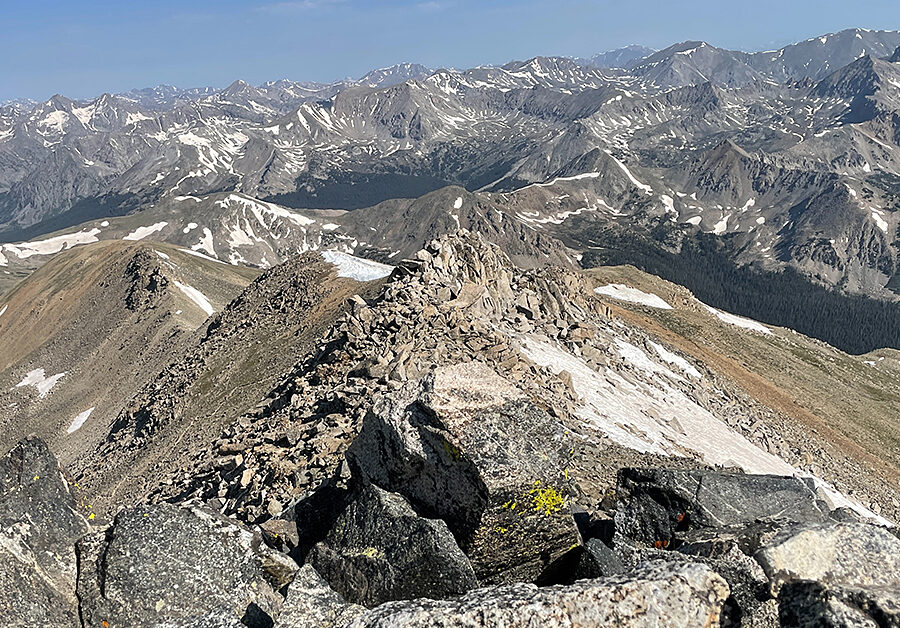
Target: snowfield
[(24, 250), (677, 360), (142, 232), (632, 295), (660, 419), (356, 268)]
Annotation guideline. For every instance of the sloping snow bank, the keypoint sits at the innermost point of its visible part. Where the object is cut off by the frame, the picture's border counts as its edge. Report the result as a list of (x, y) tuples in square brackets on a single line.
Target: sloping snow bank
[(663, 420), (738, 321), (357, 268), (197, 297), (79, 420), (633, 295), (24, 250), (142, 232)]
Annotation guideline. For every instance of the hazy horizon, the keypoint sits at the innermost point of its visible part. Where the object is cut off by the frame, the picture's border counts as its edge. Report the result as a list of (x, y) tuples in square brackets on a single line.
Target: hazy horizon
[(102, 46)]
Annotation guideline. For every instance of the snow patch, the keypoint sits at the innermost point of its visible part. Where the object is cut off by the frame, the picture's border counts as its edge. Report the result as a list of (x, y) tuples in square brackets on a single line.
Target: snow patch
[(722, 226), (201, 256), (738, 321), (636, 357), (458, 202), (197, 297), (134, 118), (676, 360), (647, 189), (142, 232), (625, 293), (79, 420), (879, 221), (259, 208), (624, 411), (356, 268), (53, 245), (206, 242), (40, 381)]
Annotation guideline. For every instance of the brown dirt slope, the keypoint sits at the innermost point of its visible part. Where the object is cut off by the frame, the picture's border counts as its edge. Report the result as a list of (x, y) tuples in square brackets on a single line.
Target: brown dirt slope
[(107, 316), (226, 369)]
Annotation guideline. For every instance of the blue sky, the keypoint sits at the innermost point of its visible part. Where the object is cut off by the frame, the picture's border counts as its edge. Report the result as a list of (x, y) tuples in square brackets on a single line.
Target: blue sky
[(82, 48)]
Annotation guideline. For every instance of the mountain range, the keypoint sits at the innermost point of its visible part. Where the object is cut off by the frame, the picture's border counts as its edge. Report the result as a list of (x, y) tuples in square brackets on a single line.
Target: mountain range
[(787, 158)]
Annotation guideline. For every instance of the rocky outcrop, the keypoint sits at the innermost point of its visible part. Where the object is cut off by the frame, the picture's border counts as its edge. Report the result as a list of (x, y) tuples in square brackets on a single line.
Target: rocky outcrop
[(657, 594), (444, 443), (852, 554), (39, 525), (657, 505), (180, 565), (756, 532), (379, 550)]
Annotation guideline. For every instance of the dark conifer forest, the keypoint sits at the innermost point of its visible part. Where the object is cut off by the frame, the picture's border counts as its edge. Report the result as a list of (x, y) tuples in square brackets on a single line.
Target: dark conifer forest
[(854, 324)]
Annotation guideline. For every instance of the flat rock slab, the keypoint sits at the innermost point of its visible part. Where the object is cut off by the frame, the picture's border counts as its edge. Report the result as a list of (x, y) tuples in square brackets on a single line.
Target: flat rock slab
[(180, 565), (655, 504), (466, 446), (379, 550), (656, 594), (39, 527)]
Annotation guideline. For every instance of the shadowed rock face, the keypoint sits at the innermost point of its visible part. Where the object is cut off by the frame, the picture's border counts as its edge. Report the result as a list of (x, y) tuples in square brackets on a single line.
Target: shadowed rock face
[(806, 604), (180, 565), (444, 443), (39, 524), (379, 550)]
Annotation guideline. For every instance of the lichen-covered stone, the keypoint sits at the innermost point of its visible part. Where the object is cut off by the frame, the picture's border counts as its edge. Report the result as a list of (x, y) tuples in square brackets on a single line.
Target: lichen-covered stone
[(39, 526), (312, 603), (656, 594), (466, 446), (379, 550), (852, 554), (180, 565)]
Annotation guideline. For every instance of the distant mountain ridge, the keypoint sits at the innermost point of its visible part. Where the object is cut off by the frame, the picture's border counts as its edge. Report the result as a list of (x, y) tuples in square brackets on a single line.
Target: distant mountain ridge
[(785, 158)]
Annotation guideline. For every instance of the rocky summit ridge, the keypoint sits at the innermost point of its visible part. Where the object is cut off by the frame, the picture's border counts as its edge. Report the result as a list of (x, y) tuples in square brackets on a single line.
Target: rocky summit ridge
[(465, 443)]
